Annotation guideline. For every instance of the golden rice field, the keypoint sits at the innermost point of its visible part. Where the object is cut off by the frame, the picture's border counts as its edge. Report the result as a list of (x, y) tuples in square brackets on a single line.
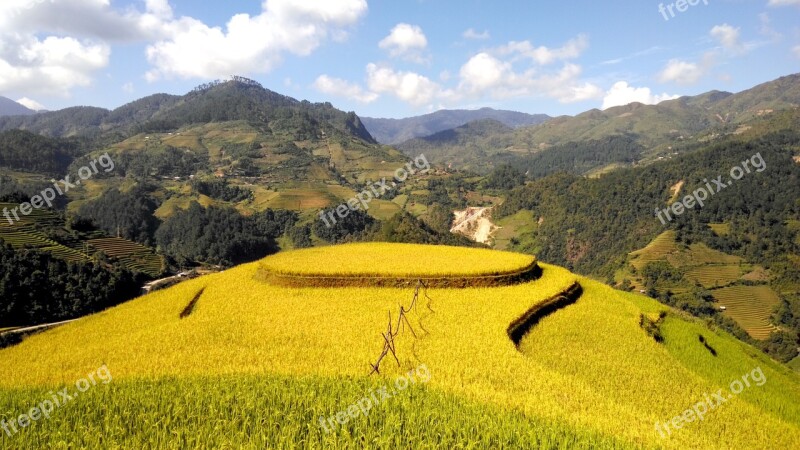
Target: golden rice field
[(400, 260), (256, 365), (750, 306)]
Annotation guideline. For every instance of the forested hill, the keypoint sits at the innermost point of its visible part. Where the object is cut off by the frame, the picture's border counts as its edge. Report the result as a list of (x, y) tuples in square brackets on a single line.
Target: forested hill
[(220, 101), (590, 225)]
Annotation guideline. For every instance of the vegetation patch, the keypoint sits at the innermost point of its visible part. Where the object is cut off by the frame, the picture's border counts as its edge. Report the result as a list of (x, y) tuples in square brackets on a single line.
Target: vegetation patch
[(653, 326), (520, 327), (192, 303)]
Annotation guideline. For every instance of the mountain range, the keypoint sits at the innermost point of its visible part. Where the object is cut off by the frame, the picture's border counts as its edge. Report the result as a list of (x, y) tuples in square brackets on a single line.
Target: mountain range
[(395, 131), (660, 131)]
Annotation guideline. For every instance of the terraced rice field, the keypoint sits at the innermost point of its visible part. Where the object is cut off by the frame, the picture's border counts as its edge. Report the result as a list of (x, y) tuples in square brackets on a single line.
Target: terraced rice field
[(130, 254), (257, 366), (750, 307), (698, 254), (657, 250), (715, 276)]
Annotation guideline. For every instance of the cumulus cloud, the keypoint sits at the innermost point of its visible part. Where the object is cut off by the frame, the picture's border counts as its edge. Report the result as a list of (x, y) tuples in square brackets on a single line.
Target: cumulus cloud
[(622, 94), (684, 72), (51, 66), (249, 44), (543, 55), (796, 51), (410, 87), (342, 88), (493, 74), (474, 35), (485, 75), (31, 104), (784, 2), (728, 37), (54, 46), (406, 41)]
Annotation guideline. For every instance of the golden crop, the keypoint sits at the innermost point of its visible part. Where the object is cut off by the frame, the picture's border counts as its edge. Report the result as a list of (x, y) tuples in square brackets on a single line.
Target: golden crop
[(588, 368)]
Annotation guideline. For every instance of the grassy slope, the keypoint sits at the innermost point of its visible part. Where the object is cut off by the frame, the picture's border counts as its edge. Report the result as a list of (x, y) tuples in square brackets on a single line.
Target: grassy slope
[(586, 373)]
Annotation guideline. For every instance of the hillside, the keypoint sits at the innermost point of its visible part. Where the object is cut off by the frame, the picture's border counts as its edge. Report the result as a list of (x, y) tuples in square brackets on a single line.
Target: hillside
[(658, 131), (470, 146), (586, 375), (236, 99), (396, 131), (9, 107)]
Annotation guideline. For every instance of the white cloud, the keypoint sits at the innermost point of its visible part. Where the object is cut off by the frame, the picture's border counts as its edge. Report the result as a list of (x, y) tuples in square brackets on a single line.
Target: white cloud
[(128, 88), (796, 51), (31, 104), (474, 35), (491, 74), (487, 76), (483, 72), (406, 41), (728, 37), (544, 55), (338, 87), (687, 73), (53, 65), (784, 2), (410, 87), (250, 44), (622, 94)]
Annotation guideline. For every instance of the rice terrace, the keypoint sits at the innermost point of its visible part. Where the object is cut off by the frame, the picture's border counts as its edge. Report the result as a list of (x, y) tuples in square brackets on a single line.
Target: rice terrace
[(354, 224), (274, 343)]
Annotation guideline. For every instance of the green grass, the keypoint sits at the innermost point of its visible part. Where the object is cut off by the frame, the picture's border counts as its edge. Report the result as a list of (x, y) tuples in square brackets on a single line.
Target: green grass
[(795, 364)]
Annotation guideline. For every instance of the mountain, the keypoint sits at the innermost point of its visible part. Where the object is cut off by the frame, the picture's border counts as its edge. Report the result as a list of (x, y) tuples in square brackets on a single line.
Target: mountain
[(649, 132), (219, 101), (470, 146), (394, 131), (674, 122), (9, 107)]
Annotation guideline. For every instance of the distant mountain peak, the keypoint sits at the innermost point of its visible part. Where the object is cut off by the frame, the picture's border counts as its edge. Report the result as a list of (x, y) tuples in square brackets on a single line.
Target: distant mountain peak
[(9, 107), (395, 131)]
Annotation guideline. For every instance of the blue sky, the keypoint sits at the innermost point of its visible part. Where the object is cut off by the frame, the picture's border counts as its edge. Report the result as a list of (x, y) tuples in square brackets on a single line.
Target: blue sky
[(396, 58)]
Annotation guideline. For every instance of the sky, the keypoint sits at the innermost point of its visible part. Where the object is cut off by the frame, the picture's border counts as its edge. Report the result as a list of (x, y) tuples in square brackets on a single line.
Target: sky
[(397, 58)]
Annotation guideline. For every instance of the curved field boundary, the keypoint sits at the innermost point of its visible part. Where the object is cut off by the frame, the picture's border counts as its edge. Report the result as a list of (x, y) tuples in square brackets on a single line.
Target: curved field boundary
[(520, 327), (528, 273)]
